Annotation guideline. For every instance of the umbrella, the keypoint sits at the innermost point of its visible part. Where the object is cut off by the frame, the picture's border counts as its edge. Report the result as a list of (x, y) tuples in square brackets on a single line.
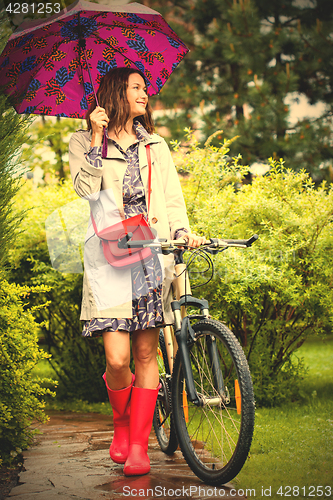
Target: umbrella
[(51, 66)]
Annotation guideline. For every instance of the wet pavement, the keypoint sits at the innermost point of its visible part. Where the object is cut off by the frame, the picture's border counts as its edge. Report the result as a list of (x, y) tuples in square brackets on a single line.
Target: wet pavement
[(71, 461)]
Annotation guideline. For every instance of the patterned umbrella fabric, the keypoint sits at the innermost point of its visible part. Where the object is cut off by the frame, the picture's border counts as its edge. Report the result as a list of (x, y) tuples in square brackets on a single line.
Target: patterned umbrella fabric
[(44, 64)]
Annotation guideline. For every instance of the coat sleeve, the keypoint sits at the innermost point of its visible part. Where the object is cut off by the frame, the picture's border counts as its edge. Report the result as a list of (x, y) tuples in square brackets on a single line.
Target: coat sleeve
[(87, 179), (175, 204)]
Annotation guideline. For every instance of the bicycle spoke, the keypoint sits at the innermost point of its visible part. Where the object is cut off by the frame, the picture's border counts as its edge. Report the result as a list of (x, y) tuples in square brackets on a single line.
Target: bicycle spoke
[(210, 436), (206, 372)]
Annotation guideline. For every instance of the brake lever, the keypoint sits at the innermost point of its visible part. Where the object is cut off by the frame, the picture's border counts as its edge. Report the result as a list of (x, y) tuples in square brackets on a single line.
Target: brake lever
[(213, 250)]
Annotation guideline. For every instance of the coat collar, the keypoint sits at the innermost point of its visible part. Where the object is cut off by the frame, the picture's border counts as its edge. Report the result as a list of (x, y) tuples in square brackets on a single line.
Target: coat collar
[(144, 138), (113, 151), (143, 135)]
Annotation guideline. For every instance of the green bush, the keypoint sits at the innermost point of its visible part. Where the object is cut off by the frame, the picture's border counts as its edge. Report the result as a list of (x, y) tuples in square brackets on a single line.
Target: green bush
[(276, 293), (21, 394)]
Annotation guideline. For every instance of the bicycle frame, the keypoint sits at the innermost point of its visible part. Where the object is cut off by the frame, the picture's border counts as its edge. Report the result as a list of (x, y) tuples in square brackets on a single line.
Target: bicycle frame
[(183, 335)]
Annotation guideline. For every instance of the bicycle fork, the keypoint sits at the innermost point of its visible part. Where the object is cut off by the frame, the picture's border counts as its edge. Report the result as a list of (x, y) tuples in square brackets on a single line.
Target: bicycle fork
[(185, 336)]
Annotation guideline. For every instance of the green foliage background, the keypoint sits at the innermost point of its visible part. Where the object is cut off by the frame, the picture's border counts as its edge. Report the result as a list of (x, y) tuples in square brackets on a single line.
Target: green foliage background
[(272, 295), (277, 293), (247, 57), (249, 62), (21, 393), (79, 363)]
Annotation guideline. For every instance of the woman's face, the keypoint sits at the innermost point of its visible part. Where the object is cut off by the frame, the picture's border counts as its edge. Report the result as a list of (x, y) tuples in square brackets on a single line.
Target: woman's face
[(136, 95)]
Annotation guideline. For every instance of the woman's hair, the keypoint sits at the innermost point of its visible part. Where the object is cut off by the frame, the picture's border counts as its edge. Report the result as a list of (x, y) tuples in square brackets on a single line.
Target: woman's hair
[(112, 97)]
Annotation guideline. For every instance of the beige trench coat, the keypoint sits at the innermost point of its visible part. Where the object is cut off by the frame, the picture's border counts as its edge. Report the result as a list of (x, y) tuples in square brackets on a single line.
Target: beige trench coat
[(107, 292)]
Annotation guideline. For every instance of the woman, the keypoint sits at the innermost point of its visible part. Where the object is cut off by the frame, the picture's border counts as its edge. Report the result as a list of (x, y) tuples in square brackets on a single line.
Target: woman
[(119, 303)]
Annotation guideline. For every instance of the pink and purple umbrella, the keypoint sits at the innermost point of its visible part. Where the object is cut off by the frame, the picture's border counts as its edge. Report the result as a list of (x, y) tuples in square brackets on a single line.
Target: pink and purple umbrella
[(52, 66)]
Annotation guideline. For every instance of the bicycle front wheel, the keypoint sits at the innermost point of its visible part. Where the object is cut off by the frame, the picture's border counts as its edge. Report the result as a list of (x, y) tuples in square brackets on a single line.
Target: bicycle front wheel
[(215, 438), (163, 419)]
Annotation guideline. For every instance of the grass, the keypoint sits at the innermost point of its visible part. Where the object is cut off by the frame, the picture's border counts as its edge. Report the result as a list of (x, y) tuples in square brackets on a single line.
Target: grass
[(292, 445), (44, 369)]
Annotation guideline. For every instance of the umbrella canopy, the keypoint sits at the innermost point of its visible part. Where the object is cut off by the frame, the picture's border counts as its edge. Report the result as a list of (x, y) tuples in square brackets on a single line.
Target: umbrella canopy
[(51, 66)]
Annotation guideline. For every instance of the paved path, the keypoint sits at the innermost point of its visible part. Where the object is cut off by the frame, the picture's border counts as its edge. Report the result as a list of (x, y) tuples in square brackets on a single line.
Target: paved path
[(71, 461)]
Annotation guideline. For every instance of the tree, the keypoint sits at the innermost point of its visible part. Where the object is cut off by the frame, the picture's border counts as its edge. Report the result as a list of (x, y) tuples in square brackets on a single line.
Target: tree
[(13, 130), (248, 61)]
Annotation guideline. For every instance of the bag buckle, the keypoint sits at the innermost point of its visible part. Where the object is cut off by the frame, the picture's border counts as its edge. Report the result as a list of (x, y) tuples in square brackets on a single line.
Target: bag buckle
[(122, 243)]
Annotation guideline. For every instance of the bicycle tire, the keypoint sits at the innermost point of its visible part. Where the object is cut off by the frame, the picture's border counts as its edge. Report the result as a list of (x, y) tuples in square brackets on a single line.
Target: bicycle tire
[(215, 439), (165, 432)]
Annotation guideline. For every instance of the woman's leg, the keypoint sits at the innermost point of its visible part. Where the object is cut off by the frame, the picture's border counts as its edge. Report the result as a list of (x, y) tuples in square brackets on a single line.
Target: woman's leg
[(118, 355), (143, 400), (119, 381), (144, 349)]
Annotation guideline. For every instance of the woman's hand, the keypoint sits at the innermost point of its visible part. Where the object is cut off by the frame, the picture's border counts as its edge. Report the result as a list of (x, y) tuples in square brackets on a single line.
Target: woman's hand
[(98, 119), (193, 240)]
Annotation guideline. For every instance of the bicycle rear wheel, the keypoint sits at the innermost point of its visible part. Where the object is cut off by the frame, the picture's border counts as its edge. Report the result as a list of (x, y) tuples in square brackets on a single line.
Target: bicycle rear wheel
[(215, 438), (163, 419)]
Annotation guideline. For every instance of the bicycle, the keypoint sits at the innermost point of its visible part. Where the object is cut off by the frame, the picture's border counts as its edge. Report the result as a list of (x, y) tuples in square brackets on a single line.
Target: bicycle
[(206, 401)]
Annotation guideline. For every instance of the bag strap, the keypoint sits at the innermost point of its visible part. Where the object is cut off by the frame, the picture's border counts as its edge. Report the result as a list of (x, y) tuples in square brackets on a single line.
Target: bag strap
[(149, 175), (149, 187), (93, 223)]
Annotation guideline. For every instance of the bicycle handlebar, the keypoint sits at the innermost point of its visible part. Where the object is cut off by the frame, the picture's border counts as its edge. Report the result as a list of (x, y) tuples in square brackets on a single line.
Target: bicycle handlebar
[(234, 243), (171, 245)]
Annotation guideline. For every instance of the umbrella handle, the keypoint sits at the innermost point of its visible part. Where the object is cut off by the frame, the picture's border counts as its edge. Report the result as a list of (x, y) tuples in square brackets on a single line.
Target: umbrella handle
[(105, 145), (82, 45), (105, 140)]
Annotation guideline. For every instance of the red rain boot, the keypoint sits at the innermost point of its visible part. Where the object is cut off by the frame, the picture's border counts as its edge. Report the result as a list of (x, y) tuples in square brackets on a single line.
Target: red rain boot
[(120, 402), (143, 403)]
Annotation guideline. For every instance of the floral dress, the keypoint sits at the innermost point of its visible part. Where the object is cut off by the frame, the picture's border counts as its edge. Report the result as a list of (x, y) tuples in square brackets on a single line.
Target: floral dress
[(147, 278)]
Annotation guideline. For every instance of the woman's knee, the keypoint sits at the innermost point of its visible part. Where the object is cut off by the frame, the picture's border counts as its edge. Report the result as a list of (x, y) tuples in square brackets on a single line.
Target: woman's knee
[(117, 352), (145, 353), (117, 366)]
